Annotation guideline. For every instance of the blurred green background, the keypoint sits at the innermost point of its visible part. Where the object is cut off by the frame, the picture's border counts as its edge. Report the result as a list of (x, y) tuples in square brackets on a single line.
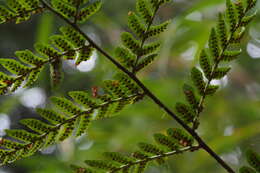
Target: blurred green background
[(230, 123)]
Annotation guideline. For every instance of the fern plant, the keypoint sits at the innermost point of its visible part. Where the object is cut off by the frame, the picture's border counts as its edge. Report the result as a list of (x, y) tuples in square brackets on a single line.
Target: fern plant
[(139, 49)]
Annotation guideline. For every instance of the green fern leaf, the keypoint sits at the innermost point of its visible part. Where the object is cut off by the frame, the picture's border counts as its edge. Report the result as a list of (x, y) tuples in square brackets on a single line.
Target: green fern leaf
[(145, 61), (33, 148), (246, 169), (141, 167), (136, 25), (156, 30), (6, 79), (230, 55), (52, 116), (14, 66), (253, 159), (100, 164), (36, 125), (166, 141), (89, 11), (144, 10), (5, 14), (180, 135), (8, 144), (17, 84), (67, 130), (66, 106), (239, 8), (205, 64), (21, 135), (222, 31), (211, 89), (66, 10), (117, 157), (220, 72), (140, 155), (84, 121), (214, 45), (113, 87), (19, 8), (127, 83), (28, 57), (149, 48), (248, 18), (231, 15), (46, 50), (130, 42), (250, 3), (150, 148), (64, 45), (190, 96), (33, 76), (51, 138), (84, 54), (73, 36), (185, 112), (32, 4), (125, 57), (197, 78)]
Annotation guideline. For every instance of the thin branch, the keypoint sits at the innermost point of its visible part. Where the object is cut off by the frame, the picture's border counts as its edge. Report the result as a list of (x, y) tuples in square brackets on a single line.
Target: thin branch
[(146, 91)]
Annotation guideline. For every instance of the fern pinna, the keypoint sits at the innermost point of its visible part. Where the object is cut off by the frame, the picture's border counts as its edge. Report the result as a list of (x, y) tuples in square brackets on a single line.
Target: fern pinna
[(223, 47), (136, 53)]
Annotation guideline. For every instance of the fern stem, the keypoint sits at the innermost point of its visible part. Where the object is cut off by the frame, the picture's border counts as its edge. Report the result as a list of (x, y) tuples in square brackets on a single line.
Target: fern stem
[(144, 38), (214, 68), (146, 91)]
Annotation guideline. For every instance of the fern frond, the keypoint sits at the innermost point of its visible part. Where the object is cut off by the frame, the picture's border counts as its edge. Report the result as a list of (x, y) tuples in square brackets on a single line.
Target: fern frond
[(61, 125), (223, 41), (175, 142), (141, 24)]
